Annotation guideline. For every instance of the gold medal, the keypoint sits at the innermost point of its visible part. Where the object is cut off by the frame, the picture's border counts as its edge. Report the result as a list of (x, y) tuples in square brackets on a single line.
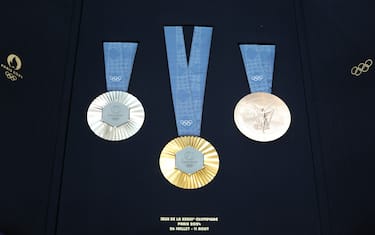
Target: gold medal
[(115, 115), (262, 116), (189, 162)]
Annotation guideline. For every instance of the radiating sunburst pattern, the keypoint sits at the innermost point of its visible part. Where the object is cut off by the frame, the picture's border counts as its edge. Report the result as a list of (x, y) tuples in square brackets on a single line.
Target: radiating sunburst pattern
[(112, 133), (181, 179)]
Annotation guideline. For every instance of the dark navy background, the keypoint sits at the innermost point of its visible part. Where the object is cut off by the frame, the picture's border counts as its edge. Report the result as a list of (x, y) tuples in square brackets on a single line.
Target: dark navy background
[(57, 177), (340, 35)]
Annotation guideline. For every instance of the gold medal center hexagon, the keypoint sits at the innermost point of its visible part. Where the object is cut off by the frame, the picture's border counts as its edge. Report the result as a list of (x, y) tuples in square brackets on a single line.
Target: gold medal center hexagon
[(115, 114), (189, 160)]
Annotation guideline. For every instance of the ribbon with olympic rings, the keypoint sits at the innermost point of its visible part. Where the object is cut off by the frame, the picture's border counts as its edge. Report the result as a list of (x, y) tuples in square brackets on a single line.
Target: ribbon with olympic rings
[(188, 78)]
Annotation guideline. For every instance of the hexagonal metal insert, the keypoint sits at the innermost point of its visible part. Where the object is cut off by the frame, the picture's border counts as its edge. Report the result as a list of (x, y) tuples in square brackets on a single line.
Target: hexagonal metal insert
[(189, 160), (115, 114)]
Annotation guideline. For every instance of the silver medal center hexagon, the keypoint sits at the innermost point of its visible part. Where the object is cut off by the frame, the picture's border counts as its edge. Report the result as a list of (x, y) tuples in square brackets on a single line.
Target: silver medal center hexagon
[(115, 114), (189, 160)]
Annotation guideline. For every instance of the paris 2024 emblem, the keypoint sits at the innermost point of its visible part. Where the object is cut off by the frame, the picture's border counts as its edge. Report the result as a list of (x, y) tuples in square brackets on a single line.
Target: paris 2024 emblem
[(12, 67)]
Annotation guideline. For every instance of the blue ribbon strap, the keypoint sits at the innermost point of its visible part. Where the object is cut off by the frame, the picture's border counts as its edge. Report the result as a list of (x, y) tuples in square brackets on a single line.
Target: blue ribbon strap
[(118, 60), (188, 79), (259, 61)]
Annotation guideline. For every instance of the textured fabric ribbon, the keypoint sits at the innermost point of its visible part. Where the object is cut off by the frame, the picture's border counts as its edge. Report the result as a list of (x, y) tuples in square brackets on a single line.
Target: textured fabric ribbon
[(259, 61), (118, 60), (188, 79)]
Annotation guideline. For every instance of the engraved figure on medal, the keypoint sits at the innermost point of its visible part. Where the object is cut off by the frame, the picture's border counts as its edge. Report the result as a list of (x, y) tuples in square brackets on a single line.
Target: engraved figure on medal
[(263, 119), (262, 116)]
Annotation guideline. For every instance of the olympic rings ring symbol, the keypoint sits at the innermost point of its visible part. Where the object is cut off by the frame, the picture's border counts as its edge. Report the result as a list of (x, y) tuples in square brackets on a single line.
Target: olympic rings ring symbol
[(115, 78), (186, 122), (362, 68), (10, 76), (257, 78)]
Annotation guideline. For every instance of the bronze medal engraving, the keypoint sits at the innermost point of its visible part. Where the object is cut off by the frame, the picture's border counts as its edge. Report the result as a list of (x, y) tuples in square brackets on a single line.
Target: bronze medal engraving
[(262, 116)]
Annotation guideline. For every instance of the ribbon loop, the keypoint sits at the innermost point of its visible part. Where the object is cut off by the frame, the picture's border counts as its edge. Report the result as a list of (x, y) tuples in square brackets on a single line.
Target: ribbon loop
[(188, 79), (119, 60), (259, 62)]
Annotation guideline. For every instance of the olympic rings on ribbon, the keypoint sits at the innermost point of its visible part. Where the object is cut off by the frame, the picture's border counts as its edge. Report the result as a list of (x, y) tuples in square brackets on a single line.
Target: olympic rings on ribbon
[(186, 122), (115, 78), (256, 78)]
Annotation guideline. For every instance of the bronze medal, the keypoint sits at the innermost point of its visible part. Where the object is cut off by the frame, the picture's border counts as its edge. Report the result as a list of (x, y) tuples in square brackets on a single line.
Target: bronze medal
[(262, 116)]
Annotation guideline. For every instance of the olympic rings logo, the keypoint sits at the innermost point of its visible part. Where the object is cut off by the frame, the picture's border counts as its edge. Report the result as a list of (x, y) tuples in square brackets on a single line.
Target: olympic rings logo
[(257, 78), (361, 68), (115, 78), (11, 76), (186, 123)]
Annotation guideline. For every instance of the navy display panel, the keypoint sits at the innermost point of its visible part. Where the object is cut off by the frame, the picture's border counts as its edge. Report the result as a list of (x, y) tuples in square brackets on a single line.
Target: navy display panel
[(35, 73), (117, 188)]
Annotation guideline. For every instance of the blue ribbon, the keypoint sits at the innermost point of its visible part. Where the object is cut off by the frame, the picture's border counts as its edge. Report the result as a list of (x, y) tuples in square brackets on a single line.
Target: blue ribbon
[(118, 60), (188, 79), (259, 61)]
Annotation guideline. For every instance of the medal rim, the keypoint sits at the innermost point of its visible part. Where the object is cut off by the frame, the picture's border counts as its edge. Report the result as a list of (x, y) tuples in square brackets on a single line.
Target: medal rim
[(200, 178), (107, 131), (248, 132)]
